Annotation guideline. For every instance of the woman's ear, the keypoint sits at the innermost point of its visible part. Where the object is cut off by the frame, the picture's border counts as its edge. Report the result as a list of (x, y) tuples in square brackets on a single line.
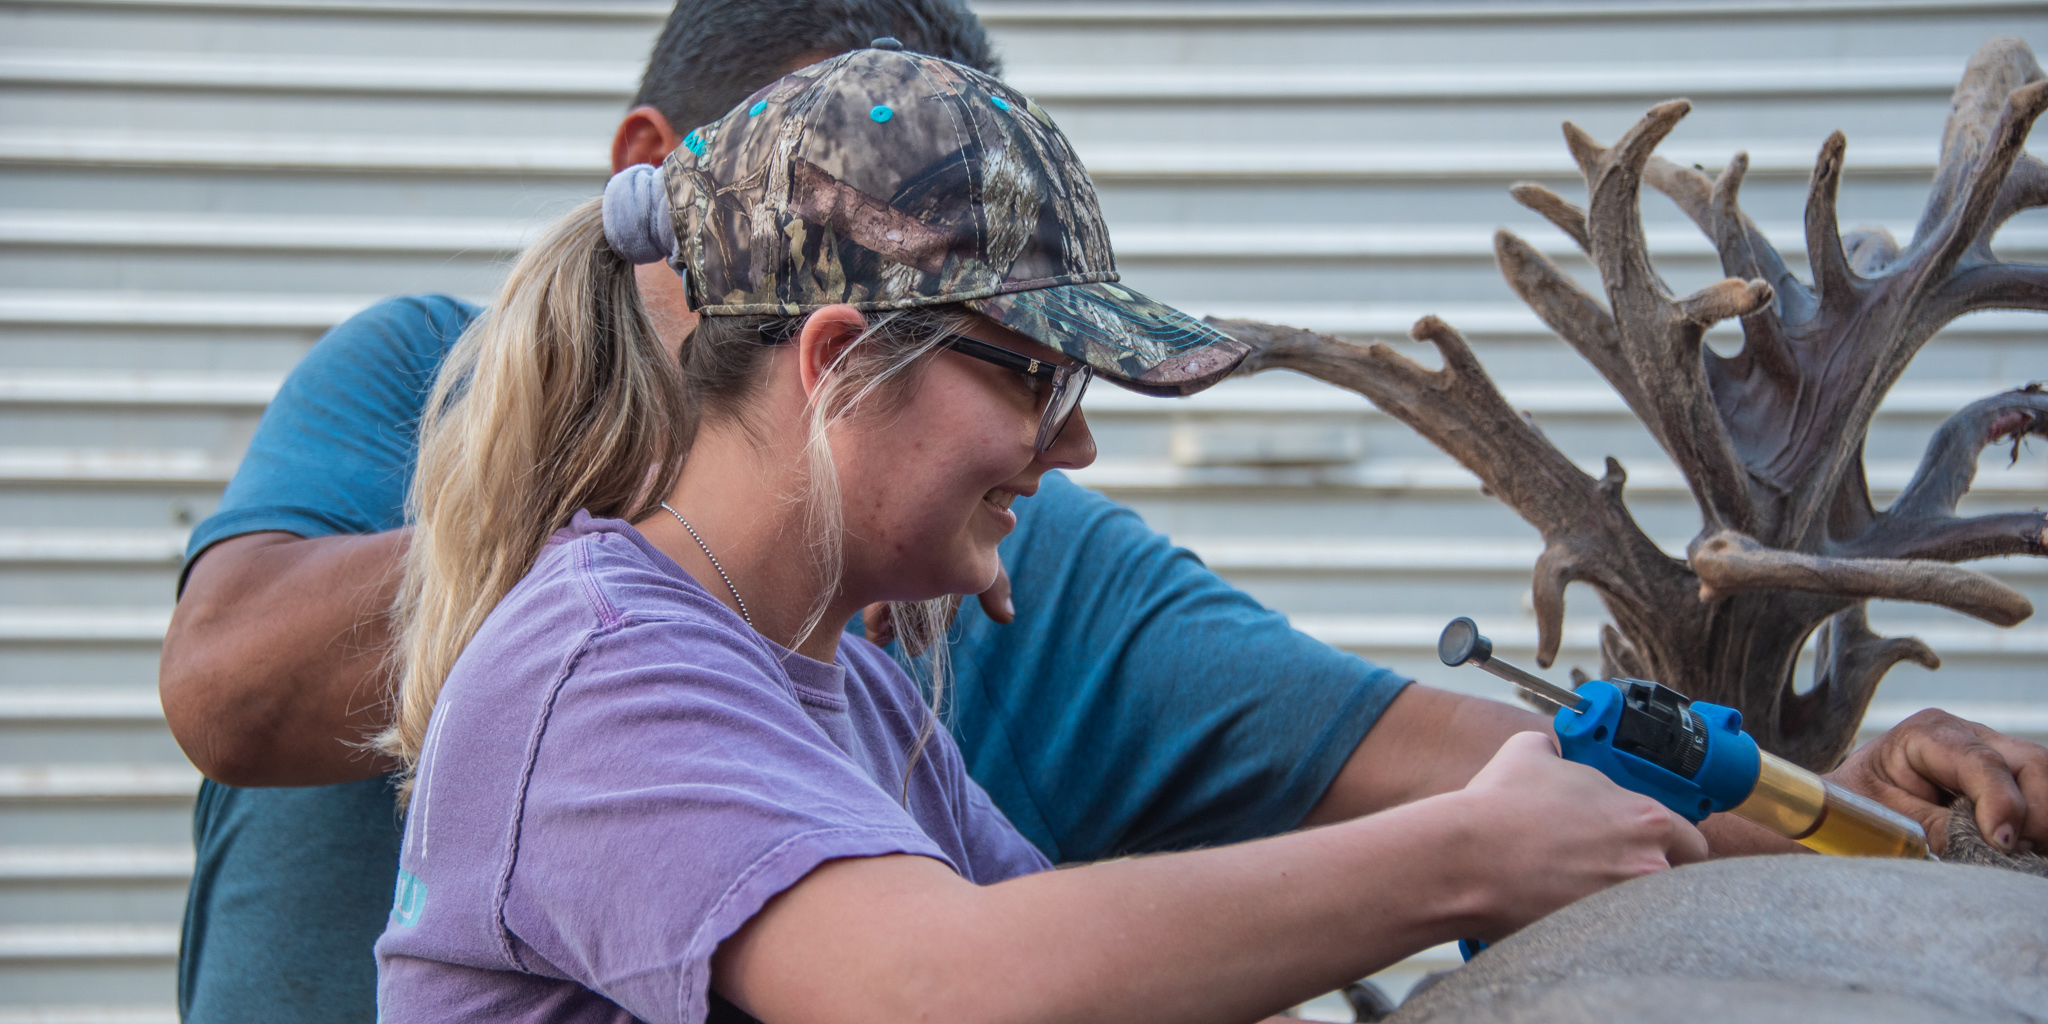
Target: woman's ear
[(824, 336)]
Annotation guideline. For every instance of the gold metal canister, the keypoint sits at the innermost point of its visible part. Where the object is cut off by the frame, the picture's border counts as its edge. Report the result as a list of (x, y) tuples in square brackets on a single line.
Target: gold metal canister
[(1823, 817), (1788, 799)]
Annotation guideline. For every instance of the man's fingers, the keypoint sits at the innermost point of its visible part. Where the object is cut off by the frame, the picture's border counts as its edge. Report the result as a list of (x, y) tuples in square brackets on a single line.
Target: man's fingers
[(2029, 764), (996, 599), (875, 620), (1961, 762)]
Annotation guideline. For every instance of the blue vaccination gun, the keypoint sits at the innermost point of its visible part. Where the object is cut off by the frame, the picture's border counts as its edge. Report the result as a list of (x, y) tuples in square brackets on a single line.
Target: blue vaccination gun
[(1694, 758)]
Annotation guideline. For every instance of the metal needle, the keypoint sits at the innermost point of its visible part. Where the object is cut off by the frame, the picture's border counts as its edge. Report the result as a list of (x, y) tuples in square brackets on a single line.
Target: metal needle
[(1461, 644)]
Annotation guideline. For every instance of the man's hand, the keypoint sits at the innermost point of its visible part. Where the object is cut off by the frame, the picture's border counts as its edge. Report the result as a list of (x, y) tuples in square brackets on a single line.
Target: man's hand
[(995, 601), (1914, 768)]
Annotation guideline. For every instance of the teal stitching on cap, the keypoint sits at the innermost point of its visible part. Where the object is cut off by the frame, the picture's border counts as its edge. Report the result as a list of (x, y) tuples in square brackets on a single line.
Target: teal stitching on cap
[(881, 113), (694, 143), (1001, 103), (755, 110)]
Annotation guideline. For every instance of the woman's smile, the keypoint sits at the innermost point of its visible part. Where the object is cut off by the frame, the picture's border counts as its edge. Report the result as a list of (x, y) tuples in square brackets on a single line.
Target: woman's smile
[(998, 501)]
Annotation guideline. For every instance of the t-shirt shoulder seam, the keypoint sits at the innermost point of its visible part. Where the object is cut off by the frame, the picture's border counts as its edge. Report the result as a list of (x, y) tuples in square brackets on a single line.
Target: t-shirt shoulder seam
[(503, 894), (607, 613)]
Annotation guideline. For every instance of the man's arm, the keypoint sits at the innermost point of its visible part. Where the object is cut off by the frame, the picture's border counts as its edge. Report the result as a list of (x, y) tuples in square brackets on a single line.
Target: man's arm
[(275, 668), (1432, 741)]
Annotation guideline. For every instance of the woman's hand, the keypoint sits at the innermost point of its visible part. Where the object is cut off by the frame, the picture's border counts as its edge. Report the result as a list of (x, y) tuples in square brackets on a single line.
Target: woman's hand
[(1561, 831)]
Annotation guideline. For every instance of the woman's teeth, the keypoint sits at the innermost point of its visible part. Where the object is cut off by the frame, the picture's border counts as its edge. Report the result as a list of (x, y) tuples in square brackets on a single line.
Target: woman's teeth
[(1000, 499)]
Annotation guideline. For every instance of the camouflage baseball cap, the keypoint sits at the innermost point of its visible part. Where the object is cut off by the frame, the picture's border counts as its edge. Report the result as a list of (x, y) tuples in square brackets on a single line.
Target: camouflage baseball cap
[(891, 180)]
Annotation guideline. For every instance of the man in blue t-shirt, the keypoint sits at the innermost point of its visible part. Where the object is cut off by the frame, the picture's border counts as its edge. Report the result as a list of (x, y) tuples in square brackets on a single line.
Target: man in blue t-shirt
[(1130, 701)]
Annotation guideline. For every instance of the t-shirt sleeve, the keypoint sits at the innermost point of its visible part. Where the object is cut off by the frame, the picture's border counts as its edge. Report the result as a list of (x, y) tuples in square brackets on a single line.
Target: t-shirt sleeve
[(335, 449), (1141, 703), (676, 786)]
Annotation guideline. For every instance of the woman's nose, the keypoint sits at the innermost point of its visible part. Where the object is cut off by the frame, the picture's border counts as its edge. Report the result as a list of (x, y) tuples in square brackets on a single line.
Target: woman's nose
[(1074, 448)]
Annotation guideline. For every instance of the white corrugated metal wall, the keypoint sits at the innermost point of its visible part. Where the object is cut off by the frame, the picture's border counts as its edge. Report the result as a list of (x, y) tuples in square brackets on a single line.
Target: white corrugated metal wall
[(191, 190)]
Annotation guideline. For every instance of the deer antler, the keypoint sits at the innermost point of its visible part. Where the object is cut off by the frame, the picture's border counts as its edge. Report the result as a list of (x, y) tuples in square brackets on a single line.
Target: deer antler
[(1645, 342), (1587, 530), (1770, 439)]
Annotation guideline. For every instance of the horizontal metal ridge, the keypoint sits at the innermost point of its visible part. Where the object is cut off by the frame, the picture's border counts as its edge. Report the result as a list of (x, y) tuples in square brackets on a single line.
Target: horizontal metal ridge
[(2008, 717), (617, 80), (88, 1014), (20, 783), (1443, 476), (75, 705), (324, 73), (147, 389), (1105, 161), (1349, 556), (81, 307), (1039, 13), (163, 466), (651, 11), (137, 862), (1178, 242), (254, 391), (1400, 242), (88, 942), (1290, 400), (1439, 82), (340, 233), (228, 311), (71, 547), (83, 625), (1480, 319), (1415, 636)]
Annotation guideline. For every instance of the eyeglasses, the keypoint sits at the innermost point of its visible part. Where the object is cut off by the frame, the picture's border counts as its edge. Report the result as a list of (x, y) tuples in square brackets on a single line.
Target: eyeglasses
[(1062, 396)]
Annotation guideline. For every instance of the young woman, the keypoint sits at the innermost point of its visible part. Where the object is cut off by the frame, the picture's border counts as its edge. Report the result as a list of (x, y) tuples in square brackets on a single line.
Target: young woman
[(655, 781)]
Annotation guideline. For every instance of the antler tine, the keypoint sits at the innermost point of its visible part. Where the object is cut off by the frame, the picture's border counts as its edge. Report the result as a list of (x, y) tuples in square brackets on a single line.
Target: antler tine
[(1589, 155), (1949, 539), (1568, 217), (1950, 463), (1745, 253), (1833, 281), (1966, 221), (1995, 70), (1729, 563), (1613, 210), (2026, 187), (1850, 662), (1997, 285), (1582, 320), (1660, 337)]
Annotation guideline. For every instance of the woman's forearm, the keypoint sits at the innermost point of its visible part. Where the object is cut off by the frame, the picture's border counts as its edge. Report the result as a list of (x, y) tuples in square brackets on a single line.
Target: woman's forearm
[(1229, 934), (275, 666)]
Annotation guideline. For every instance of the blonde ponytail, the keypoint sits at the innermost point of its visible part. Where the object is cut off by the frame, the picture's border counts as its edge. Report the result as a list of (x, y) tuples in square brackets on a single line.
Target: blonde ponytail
[(562, 398), (559, 398)]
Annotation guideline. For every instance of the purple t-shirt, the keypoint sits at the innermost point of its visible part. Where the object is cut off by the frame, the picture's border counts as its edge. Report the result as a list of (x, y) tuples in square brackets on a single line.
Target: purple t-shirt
[(620, 773)]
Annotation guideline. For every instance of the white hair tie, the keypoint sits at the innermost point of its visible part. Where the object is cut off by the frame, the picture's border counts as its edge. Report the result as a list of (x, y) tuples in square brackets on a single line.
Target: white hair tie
[(637, 224)]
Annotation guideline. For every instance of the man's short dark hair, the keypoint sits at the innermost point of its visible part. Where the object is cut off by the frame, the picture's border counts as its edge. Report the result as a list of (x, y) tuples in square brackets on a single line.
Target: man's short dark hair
[(714, 53)]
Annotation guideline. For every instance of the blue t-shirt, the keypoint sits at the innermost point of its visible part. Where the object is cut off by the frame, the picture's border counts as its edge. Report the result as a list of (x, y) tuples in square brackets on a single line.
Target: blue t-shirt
[(1138, 703)]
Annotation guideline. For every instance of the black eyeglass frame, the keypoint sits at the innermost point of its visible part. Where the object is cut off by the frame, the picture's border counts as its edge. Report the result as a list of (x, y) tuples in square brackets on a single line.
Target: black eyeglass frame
[(1067, 382)]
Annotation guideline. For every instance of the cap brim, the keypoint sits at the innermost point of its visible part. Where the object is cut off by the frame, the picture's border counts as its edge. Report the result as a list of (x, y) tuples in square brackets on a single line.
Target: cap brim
[(1129, 339)]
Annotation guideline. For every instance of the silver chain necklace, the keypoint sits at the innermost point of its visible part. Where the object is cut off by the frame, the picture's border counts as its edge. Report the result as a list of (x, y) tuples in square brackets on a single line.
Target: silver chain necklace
[(714, 563)]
